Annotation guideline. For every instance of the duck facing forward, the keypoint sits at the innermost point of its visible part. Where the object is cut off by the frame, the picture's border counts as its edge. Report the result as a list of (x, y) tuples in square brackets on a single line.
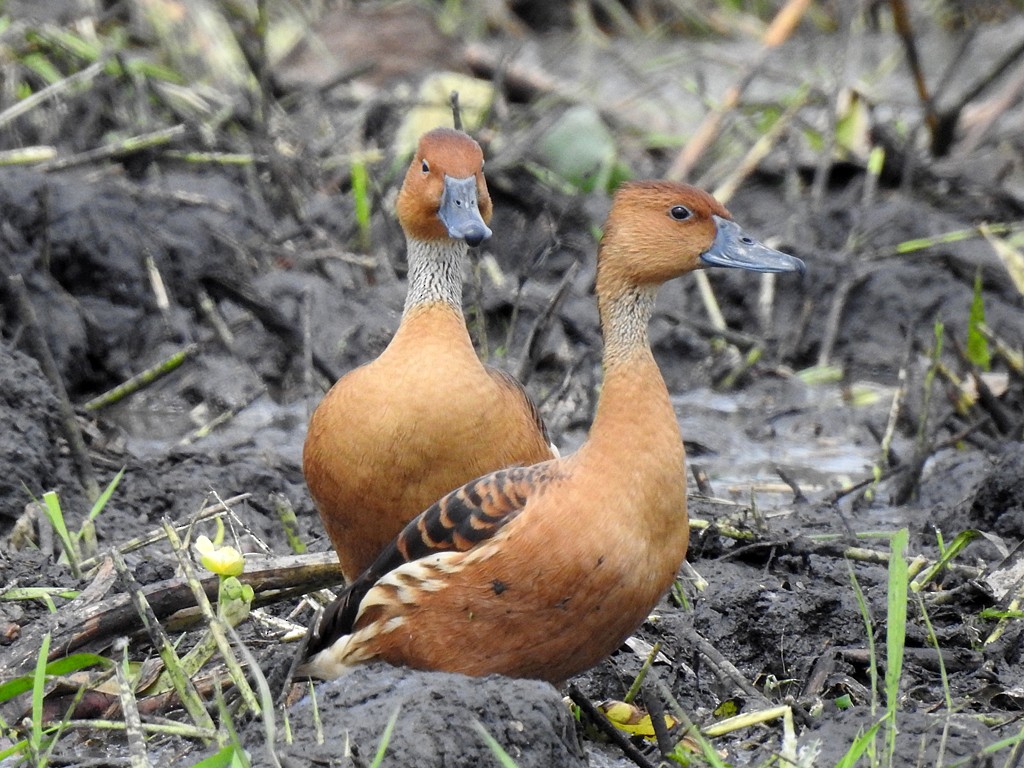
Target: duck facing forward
[(543, 571), (393, 436)]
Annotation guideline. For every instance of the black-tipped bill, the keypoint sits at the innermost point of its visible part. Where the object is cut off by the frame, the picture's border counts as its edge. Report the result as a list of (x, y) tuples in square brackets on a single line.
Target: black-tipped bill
[(460, 212), (733, 248)]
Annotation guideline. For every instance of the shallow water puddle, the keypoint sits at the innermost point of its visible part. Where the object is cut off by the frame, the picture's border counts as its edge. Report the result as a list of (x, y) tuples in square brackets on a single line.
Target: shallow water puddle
[(740, 439)]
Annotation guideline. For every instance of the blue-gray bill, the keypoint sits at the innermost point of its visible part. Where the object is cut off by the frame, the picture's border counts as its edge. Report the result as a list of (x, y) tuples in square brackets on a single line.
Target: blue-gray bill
[(734, 248), (460, 211)]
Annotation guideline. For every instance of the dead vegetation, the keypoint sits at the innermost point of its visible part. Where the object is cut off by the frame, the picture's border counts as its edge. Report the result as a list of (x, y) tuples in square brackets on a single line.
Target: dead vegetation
[(203, 202)]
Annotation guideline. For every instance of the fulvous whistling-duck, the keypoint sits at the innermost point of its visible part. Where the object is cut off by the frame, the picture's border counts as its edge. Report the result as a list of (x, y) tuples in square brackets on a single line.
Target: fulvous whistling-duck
[(542, 571), (393, 436)]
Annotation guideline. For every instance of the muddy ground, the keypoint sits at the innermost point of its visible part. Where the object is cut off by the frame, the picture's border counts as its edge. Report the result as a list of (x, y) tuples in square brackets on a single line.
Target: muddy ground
[(259, 272)]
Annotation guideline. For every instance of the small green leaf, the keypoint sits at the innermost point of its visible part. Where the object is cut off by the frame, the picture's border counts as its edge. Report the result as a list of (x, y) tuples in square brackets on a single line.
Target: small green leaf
[(876, 161), (977, 345), (820, 374)]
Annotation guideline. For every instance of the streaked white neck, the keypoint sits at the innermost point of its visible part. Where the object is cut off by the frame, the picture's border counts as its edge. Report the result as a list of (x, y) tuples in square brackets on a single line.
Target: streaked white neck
[(624, 321), (435, 272)]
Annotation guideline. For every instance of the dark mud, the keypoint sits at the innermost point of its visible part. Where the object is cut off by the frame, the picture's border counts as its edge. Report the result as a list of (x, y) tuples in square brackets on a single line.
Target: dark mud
[(123, 262), (437, 724)]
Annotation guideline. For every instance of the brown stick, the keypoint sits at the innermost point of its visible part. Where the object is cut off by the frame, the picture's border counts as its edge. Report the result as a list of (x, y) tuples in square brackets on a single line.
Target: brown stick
[(778, 32), (901, 19), (607, 728)]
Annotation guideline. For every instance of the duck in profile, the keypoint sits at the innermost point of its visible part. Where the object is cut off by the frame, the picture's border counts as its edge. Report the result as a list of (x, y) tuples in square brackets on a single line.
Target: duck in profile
[(393, 436), (542, 571)]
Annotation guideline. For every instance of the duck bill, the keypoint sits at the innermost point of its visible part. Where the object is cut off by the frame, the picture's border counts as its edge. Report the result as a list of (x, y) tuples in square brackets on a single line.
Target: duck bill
[(460, 212), (734, 248)]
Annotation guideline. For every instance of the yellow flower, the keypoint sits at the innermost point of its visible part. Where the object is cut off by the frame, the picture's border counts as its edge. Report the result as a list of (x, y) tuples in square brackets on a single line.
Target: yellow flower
[(224, 561)]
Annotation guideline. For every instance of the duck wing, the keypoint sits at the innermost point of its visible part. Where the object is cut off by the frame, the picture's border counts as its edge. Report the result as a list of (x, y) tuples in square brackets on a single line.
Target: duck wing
[(459, 521)]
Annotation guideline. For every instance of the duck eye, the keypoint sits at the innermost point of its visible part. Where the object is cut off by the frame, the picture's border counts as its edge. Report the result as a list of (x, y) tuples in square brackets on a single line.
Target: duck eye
[(679, 212), (426, 167)]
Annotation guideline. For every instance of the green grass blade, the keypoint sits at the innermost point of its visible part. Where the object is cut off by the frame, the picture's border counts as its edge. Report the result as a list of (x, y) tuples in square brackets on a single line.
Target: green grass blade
[(43, 67), (222, 759), (361, 195), (997, 746), (869, 631), (504, 758), (64, 666), (51, 507), (909, 246), (86, 537), (948, 553), (13, 749), (228, 732), (934, 640), (104, 497), (385, 739), (35, 738), (43, 594), (859, 746), (895, 632)]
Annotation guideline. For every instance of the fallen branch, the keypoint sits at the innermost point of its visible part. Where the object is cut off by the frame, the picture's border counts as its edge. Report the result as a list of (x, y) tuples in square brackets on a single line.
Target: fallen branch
[(76, 625), (142, 379)]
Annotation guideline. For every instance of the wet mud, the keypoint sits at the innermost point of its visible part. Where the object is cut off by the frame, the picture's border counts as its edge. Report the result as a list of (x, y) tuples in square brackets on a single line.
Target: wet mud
[(126, 264)]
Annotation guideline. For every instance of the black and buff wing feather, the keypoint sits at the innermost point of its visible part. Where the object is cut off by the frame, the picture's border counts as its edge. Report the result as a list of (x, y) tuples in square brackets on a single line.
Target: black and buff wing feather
[(457, 522)]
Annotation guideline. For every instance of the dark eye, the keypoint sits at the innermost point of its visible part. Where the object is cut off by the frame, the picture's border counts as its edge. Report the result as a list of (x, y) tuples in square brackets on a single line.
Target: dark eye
[(426, 167), (679, 212)]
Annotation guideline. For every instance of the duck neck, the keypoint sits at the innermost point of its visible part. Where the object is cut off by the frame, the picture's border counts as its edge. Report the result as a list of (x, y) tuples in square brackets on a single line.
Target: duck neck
[(625, 316), (435, 273), (634, 412)]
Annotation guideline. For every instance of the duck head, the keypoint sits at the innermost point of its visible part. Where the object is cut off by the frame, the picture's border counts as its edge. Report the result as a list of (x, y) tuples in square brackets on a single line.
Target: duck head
[(658, 230), (444, 195)]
